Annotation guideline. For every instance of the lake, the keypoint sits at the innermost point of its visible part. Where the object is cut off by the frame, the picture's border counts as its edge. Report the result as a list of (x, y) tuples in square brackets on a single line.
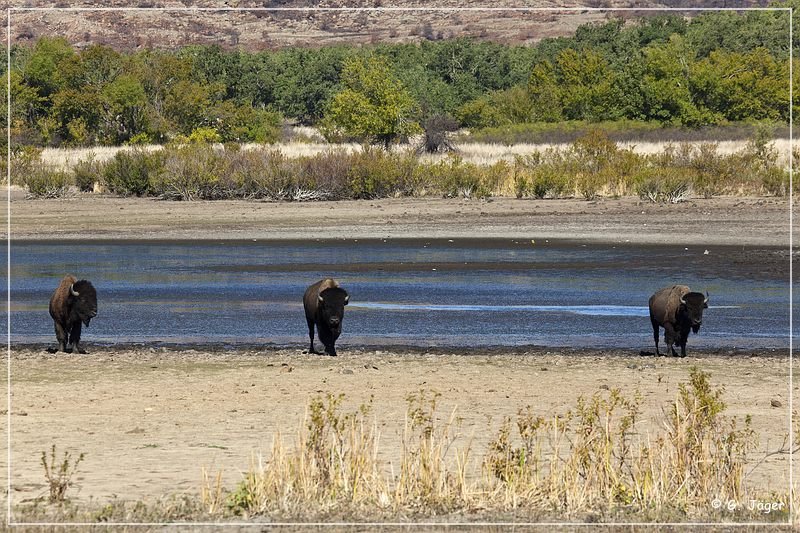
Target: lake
[(403, 292)]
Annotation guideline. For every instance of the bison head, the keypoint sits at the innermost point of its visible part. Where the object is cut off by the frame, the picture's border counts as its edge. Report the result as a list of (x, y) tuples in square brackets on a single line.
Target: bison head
[(84, 300), (331, 308), (692, 305)]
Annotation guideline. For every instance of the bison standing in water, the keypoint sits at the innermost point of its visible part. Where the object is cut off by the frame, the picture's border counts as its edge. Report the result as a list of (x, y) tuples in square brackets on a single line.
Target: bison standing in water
[(72, 302), (324, 304), (677, 310)]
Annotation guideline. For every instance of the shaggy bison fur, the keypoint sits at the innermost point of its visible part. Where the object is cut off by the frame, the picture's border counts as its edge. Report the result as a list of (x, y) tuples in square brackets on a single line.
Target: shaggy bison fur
[(324, 303), (676, 309), (73, 302)]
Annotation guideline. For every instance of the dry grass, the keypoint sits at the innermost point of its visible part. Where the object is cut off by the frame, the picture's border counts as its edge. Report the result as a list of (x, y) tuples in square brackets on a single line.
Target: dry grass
[(476, 153), (597, 460), (592, 166)]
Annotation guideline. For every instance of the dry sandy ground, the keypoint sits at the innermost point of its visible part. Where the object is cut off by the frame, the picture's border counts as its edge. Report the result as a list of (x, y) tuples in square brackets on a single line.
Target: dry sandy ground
[(148, 420), (745, 221)]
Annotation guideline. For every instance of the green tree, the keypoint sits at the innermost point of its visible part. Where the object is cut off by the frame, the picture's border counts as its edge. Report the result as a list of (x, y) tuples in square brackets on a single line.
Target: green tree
[(587, 85), (44, 69), (373, 106), (666, 86), (244, 123), (545, 93), (306, 80), (187, 104), (78, 115), (124, 109), (741, 86)]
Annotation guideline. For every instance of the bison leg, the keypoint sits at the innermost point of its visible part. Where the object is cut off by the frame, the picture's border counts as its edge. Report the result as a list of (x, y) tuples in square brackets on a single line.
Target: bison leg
[(655, 333), (311, 335), (682, 341), (75, 338), (328, 340), (61, 337), (669, 338)]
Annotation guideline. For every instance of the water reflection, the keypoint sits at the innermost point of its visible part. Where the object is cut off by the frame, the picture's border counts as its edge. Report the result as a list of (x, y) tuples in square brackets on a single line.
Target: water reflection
[(403, 292)]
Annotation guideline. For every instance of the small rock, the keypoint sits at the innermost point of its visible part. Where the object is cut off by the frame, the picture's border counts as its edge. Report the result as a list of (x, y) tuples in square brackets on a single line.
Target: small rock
[(775, 403), (347, 371), (605, 387)]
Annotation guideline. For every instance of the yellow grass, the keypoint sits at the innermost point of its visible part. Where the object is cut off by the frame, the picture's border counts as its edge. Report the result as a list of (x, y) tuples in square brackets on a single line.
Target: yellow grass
[(476, 153)]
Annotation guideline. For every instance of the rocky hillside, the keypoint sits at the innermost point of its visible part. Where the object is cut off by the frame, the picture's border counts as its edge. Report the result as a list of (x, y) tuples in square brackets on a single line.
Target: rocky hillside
[(270, 24)]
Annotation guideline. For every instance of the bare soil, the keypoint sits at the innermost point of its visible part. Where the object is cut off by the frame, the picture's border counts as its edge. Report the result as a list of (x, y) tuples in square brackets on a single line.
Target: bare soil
[(716, 221), (149, 420)]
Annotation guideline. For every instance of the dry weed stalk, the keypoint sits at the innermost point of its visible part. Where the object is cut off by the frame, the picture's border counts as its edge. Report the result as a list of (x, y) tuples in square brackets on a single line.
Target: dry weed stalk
[(591, 459), (211, 494), (59, 475)]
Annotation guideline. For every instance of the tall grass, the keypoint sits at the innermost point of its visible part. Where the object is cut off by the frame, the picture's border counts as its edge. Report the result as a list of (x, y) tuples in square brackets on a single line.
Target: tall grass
[(596, 458), (590, 167), (621, 131), (598, 461)]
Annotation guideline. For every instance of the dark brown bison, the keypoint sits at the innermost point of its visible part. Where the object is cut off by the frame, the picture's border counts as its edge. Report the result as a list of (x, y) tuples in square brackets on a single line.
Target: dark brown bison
[(677, 310), (324, 304), (72, 302)]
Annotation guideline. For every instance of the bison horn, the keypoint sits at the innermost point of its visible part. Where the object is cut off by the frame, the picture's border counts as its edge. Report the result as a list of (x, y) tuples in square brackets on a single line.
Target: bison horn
[(706, 300), (73, 291), (320, 298), (346, 299), (683, 301)]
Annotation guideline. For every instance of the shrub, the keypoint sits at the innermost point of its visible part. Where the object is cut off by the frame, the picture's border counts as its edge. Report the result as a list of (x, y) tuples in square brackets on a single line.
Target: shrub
[(666, 185), (457, 179), (87, 172), (260, 174), (191, 172), (131, 171), (328, 172), (548, 182), (43, 181), (710, 171), (140, 138), (204, 135), (375, 173), (23, 160), (775, 181)]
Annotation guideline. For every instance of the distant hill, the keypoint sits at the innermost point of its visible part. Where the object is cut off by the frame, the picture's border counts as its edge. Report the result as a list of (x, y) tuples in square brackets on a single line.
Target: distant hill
[(287, 26)]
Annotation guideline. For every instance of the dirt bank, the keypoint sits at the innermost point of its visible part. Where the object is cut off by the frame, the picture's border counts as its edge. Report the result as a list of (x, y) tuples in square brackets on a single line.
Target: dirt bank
[(750, 221)]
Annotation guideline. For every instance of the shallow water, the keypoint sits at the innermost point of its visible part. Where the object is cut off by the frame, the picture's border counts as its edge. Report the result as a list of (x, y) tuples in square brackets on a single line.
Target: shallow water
[(460, 293)]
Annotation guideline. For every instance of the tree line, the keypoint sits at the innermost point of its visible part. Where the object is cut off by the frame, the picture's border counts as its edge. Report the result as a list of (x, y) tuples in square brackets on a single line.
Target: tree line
[(714, 68)]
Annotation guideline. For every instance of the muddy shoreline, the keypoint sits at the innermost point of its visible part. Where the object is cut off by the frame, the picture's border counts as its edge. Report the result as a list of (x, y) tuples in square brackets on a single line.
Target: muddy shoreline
[(717, 221), (211, 350)]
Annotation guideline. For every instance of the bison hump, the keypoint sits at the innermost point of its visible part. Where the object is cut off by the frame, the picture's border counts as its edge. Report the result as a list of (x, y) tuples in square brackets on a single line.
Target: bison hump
[(327, 283)]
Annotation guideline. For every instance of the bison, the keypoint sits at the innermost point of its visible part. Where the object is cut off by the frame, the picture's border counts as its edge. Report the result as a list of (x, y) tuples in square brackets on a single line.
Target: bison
[(677, 310), (324, 303), (72, 302)]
